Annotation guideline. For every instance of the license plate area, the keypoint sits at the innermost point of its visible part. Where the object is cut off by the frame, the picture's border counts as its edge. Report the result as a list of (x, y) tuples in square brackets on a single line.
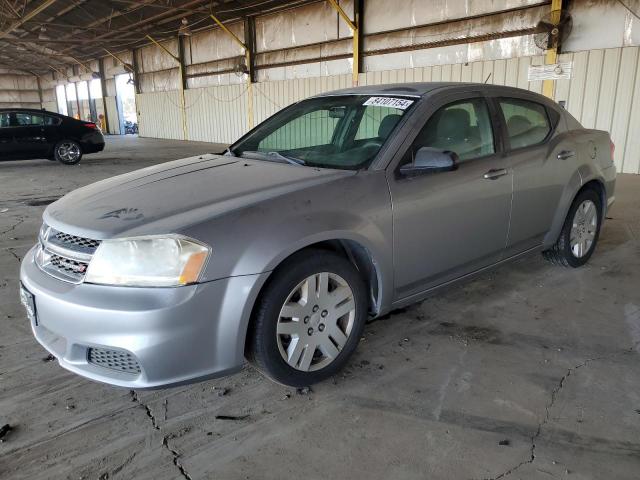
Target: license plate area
[(29, 302)]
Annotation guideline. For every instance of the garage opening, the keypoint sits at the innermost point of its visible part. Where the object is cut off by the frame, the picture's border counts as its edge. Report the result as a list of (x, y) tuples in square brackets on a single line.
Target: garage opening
[(126, 104)]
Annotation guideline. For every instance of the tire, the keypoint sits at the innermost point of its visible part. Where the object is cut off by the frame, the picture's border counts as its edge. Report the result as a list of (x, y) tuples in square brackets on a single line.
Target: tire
[(582, 223), (68, 152), (319, 340)]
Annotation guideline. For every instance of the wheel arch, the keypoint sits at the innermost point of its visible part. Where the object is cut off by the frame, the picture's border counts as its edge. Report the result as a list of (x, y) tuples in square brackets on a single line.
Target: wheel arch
[(576, 185), (353, 251)]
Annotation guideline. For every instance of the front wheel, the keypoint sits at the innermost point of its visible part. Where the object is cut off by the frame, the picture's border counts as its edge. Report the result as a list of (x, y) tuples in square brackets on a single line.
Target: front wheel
[(580, 231), (309, 319), (68, 152)]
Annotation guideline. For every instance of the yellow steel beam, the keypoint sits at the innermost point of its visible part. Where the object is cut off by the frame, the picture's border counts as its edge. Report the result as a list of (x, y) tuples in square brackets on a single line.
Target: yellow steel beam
[(83, 65), (56, 70), (122, 62), (163, 48), (551, 55), (247, 59), (356, 43), (343, 14), (229, 32)]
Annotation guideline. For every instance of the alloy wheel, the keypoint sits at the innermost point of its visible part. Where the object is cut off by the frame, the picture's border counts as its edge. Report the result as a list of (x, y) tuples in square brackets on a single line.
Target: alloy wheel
[(316, 321), (69, 151), (583, 229)]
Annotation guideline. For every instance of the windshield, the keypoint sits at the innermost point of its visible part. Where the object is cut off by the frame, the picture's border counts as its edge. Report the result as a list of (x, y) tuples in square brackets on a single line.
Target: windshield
[(334, 132)]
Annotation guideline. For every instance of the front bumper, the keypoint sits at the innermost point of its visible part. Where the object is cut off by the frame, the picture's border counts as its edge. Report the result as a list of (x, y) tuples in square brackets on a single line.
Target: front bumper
[(176, 335)]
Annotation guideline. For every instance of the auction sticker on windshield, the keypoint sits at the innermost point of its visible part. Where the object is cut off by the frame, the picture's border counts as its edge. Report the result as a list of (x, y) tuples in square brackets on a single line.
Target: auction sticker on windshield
[(400, 103)]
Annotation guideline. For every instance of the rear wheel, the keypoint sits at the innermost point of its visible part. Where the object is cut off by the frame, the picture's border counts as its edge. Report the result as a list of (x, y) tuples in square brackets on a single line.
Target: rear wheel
[(309, 319), (68, 152), (580, 232)]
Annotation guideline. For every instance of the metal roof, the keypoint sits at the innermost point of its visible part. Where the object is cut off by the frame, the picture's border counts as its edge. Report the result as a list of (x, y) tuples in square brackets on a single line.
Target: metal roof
[(36, 35)]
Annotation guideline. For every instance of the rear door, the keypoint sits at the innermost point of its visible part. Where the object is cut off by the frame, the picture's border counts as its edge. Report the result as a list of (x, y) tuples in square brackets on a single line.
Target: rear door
[(6, 137), (29, 135), (541, 155), (448, 224)]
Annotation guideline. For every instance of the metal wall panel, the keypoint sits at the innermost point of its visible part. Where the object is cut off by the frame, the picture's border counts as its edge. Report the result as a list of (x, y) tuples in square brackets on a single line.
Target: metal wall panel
[(112, 115), (50, 106), (603, 93), (217, 114), (160, 115)]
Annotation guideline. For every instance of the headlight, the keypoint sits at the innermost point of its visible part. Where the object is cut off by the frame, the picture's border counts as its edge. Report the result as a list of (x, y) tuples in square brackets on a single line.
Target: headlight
[(152, 261)]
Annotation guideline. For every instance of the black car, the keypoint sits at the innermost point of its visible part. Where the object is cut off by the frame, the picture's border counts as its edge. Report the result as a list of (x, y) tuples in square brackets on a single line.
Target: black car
[(27, 134)]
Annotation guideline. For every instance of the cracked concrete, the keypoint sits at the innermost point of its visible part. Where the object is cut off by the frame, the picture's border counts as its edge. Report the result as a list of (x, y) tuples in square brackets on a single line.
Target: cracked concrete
[(166, 438), (526, 372)]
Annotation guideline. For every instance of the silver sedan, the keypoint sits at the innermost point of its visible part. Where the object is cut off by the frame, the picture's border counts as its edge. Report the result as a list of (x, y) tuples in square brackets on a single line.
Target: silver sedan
[(338, 209)]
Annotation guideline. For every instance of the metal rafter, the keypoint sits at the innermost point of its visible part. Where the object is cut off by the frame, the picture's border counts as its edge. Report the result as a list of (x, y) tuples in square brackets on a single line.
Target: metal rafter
[(27, 16), (78, 30)]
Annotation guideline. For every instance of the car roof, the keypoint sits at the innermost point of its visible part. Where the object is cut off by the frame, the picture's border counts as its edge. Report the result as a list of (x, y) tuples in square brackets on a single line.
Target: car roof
[(30, 110), (422, 89)]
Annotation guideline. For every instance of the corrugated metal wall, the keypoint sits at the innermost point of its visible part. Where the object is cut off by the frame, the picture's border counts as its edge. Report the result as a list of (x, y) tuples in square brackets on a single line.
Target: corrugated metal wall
[(603, 93), (112, 115), (216, 114), (160, 115)]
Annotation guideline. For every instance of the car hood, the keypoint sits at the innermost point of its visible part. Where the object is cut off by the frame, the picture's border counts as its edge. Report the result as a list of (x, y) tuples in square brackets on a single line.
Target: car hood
[(170, 197)]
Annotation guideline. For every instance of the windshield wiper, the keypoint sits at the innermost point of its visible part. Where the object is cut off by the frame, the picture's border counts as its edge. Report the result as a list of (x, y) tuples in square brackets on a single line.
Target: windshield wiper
[(273, 157)]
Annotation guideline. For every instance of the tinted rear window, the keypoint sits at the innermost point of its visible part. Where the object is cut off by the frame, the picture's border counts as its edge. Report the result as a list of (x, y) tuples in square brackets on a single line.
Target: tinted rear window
[(527, 122)]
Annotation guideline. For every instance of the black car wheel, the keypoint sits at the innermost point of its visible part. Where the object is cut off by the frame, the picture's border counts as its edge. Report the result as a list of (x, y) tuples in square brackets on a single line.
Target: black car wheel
[(68, 152), (580, 231), (309, 319)]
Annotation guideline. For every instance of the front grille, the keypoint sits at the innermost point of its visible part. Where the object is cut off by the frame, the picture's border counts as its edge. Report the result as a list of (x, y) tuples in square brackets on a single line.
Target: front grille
[(63, 255), (73, 242), (68, 266), (119, 360)]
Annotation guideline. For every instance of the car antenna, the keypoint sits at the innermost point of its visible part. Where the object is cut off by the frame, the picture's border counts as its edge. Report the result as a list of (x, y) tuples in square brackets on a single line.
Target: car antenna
[(488, 77)]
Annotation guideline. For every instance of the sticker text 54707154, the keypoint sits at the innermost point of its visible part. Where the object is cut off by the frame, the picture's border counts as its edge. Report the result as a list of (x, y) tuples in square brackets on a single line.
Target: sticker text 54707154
[(400, 103)]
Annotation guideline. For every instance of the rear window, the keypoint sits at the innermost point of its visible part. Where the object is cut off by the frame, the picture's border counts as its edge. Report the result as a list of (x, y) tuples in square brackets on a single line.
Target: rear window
[(49, 120), (527, 122), (5, 119)]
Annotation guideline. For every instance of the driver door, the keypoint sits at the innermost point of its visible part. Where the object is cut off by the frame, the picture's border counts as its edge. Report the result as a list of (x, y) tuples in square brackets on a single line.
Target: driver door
[(451, 223)]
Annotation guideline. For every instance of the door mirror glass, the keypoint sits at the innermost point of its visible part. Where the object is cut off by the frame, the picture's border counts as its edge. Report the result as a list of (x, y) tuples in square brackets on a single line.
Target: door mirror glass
[(430, 160)]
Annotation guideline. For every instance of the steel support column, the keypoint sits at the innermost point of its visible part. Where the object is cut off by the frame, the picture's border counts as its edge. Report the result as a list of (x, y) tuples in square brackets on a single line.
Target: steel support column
[(551, 56), (103, 88), (353, 25), (248, 58)]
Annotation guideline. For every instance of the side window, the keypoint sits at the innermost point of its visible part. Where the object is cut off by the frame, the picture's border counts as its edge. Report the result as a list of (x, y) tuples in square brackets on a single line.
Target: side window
[(50, 121), (527, 122), (373, 118), (26, 119), (5, 119), (309, 130), (462, 127)]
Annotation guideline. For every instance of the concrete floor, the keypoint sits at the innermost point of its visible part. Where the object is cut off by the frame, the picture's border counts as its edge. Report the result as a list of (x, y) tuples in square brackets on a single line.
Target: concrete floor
[(529, 371)]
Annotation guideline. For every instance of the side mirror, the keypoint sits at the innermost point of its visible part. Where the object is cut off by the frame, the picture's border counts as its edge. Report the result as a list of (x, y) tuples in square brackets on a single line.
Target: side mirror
[(430, 160)]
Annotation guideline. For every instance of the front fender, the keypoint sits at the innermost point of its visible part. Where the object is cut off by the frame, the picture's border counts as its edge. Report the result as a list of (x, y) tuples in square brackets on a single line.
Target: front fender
[(257, 238)]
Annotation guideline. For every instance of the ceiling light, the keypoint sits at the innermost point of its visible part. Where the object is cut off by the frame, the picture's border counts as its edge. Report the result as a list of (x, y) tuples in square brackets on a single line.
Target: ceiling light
[(184, 30), (43, 33)]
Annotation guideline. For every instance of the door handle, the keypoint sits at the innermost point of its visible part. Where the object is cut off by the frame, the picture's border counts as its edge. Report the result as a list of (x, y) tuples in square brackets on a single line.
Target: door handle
[(495, 173), (564, 154)]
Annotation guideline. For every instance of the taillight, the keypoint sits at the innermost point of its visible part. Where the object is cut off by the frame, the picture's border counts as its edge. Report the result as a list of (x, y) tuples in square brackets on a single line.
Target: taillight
[(91, 125), (613, 149)]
